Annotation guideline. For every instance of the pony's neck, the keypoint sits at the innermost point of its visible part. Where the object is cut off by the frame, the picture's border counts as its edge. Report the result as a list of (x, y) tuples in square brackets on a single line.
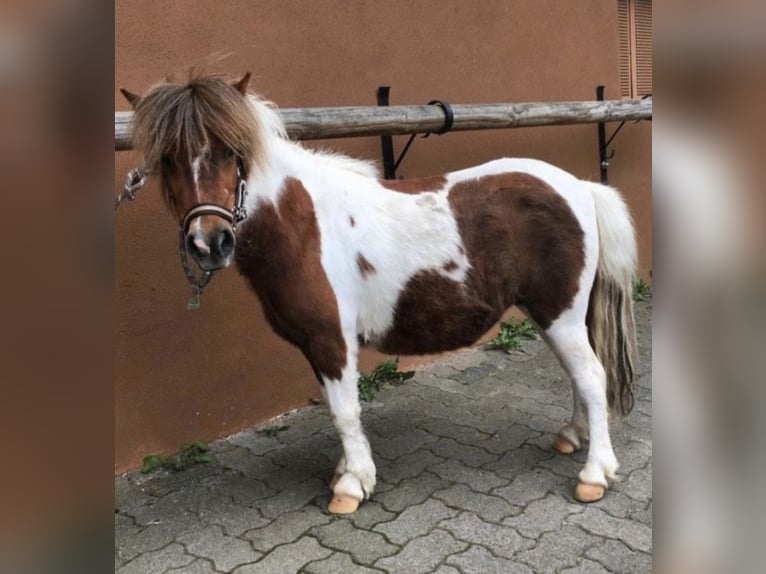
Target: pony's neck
[(283, 158)]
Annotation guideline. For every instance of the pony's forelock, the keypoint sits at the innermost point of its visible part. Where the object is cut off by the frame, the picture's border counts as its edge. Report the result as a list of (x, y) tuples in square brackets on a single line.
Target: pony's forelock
[(179, 120)]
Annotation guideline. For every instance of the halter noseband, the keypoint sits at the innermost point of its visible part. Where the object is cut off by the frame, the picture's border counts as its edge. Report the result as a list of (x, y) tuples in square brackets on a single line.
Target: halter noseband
[(234, 216), (135, 180)]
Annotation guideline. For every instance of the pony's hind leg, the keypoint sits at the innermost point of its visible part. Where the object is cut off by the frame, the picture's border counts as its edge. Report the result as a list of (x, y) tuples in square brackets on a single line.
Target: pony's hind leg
[(572, 436), (569, 340)]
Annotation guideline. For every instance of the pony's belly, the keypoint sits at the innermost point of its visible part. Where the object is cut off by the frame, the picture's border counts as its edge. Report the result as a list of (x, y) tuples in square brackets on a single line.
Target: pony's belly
[(434, 313)]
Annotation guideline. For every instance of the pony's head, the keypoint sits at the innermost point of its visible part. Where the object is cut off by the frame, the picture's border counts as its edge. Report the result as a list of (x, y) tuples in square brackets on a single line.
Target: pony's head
[(202, 139)]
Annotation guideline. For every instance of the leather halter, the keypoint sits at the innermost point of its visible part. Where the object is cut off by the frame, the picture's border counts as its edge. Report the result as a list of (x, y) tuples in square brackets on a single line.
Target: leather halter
[(234, 216)]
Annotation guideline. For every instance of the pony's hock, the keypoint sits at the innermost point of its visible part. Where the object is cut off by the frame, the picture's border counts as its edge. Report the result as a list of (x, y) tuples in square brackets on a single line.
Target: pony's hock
[(322, 241)]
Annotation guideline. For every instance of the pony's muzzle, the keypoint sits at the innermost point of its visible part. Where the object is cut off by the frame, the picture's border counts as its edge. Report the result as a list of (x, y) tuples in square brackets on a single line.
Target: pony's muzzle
[(213, 249)]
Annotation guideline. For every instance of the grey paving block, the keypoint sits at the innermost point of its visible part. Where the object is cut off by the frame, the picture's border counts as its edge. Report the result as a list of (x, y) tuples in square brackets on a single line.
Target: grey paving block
[(244, 490), (288, 558), (255, 441), (369, 514), (338, 563), (468, 455), (519, 461), (465, 434), (406, 466), (508, 439), (234, 518), (224, 551), (443, 569), (286, 528), (127, 494), (558, 549), (155, 535), (158, 561), (400, 445), (544, 515), (363, 545), (638, 485), (617, 557), (241, 459), (532, 485), (199, 566), (586, 567), (415, 521), (636, 535), (504, 541), (410, 492), (479, 480), (478, 560), (294, 496), (486, 507), (422, 554)]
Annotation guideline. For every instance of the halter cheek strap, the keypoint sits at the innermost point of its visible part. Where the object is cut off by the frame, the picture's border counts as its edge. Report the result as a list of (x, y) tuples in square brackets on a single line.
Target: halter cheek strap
[(234, 216)]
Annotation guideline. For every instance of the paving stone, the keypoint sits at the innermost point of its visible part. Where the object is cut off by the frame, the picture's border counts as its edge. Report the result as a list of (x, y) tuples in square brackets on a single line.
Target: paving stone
[(637, 536), (172, 556), (519, 461), (364, 546), (638, 485), (286, 528), (258, 467), (544, 515), (616, 503), (199, 566), (503, 540), (287, 558), (531, 485), (486, 507), (508, 439), (224, 551), (415, 521), (406, 466), (128, 495), (255, 441), (338, 564), (557, 550), (478, 480), (244, 490), (294, 496), (171, 507), (369, 514), (448, 429), (394, 447), (478, 560), (410, 492), (617, 557), (587, 567), (466, 358), (234, 518), (446, 570), (156, 535), (422, 554), (469, 455)]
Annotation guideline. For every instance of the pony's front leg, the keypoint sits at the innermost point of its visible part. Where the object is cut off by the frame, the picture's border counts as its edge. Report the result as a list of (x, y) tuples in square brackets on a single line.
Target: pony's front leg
[(355, 478)]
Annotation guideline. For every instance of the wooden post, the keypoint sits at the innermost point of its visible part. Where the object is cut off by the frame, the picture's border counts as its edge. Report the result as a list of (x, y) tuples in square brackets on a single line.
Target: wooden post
[(342, 122)]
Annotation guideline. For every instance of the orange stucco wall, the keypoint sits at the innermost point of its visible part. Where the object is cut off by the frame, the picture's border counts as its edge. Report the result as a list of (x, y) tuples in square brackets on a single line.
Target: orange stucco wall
[(183, 375)]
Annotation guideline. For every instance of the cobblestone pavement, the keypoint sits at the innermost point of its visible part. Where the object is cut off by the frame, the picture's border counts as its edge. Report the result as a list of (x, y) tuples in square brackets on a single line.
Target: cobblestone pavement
[(467, 482)]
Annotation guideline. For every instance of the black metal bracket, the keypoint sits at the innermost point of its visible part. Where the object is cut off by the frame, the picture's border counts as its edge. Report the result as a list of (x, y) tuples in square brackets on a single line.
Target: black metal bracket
[(387, 142), (604, 155)]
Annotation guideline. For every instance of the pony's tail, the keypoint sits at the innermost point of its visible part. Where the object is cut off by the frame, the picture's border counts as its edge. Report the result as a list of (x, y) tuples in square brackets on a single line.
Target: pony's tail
[(610, 320)]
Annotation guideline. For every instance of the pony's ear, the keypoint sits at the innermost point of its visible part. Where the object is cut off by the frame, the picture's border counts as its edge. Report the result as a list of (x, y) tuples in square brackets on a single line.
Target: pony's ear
[(241, 85), (131, 97)]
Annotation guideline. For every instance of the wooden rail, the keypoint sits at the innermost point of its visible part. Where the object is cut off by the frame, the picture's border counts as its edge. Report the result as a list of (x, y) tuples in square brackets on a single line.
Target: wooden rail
[(344, 122)]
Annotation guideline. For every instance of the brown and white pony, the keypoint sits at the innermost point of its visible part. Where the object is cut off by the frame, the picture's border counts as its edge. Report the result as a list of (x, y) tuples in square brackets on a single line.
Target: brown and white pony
[(339, 257)]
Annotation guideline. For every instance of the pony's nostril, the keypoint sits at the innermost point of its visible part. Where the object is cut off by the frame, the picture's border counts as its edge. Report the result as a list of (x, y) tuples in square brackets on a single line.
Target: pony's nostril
[(223, 244), (196, 246)]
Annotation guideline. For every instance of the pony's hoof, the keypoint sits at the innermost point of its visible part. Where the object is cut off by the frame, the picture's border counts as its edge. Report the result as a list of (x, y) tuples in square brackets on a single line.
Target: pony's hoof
[(334, 481), (341, 504), (585, 492), (563, 445)]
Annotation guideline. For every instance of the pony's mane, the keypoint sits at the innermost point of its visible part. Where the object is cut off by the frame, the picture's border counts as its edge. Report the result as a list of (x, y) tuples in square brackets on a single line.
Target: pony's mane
[(180, 119), (177, 119)]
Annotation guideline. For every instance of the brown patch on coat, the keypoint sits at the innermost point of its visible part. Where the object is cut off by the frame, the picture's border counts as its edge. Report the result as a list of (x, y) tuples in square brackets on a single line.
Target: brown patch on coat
[(351, 220), (365, 267), (524, 243), (279, 252), (415, 185), (450, 266), (525, 247)]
